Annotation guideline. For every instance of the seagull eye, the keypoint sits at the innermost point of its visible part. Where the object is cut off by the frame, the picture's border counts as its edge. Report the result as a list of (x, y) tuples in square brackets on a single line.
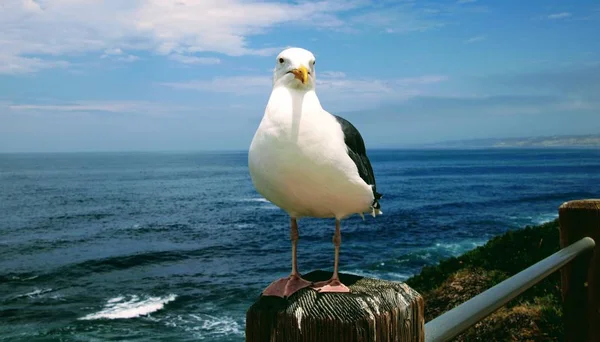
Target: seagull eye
[(314, 62), (281, 60)]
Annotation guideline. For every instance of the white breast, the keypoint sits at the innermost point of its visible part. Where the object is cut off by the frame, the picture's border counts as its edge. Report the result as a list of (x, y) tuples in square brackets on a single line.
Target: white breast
[(298, 159)]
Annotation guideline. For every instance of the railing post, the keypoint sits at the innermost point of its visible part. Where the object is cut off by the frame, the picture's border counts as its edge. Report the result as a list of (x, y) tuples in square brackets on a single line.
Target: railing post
[(581, 279), (374, 310)]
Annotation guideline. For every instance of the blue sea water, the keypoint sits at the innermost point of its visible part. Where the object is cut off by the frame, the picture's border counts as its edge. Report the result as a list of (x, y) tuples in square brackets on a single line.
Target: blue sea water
[(176, 246)]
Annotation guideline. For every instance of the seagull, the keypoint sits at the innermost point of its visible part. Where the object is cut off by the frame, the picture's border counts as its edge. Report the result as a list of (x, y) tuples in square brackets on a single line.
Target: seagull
[(309, 163)]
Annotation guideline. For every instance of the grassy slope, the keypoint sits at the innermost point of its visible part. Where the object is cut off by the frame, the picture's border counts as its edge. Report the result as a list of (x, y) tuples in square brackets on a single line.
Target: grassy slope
[(533, 316)]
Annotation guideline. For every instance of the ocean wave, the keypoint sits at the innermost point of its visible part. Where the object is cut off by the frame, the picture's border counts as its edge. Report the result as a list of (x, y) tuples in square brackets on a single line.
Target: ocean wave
[(539, 219), (268, 207), (204, 325), (393, 276), (545, 218), (265, 204), (119, 308), (404, 266), (438, 251), (84, 216), (457, 248), (254, 199), (34, 293), (17, 277), (118, 262), (538, 198)]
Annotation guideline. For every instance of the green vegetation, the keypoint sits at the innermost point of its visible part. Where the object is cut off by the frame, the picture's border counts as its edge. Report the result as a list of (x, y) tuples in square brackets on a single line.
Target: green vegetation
[(536, 315)]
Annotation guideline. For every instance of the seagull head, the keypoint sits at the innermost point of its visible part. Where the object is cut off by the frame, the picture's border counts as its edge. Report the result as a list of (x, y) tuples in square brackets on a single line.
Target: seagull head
[(295, 68)]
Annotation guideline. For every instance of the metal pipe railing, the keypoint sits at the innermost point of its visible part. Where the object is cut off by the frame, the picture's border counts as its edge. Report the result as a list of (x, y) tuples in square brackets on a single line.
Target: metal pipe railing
[(457, 320)]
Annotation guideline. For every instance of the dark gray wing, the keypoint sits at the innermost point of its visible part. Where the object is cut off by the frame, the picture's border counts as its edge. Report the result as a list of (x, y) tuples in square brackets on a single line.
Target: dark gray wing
[(358, 154)]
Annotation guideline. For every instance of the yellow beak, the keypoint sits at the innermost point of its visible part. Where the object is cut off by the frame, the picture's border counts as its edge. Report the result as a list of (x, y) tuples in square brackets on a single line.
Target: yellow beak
[(301, 74)]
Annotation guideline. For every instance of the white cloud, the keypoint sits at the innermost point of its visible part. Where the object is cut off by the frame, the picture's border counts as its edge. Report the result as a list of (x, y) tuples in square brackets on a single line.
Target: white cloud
[(475, 39), (560, 15), (335, 88), (232, 85), (194, 60), (128, 58), (14, 64), (184, 30), (131, 107), (180, 27), (403, 18), (118, 55), (332, 74), (111, 52)]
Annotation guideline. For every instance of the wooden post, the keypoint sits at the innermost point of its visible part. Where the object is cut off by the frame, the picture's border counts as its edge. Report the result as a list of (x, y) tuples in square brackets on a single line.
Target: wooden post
[(581, 279), (374, 310)]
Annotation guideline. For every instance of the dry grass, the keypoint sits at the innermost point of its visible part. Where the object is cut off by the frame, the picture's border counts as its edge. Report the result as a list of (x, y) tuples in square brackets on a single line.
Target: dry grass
[(534, 316)]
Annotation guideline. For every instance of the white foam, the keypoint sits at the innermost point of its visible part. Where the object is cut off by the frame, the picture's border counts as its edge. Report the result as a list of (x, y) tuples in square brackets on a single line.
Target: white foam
[(545, 218), (269, 207), (119, 308), (204, 325), (116, 299), (457, 248), (265, 203), (255, 199), (34, 293)]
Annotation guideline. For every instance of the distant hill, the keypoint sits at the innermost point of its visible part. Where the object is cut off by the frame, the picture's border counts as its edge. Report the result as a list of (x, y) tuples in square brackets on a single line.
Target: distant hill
[(530, 142)]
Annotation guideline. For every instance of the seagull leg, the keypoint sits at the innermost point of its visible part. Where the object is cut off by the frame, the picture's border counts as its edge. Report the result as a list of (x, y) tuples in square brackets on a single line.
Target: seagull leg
[(334, 284), (285, 287)]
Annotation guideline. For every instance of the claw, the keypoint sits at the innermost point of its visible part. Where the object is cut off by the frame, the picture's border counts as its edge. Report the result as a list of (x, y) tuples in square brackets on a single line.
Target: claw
[(286, 287), (331, 285)]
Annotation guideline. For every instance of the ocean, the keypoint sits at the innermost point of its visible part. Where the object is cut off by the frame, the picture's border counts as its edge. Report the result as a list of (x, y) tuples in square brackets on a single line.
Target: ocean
[(176, 246)]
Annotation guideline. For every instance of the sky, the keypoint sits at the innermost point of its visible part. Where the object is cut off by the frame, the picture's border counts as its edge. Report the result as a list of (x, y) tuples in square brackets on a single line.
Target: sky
[(146, 75)]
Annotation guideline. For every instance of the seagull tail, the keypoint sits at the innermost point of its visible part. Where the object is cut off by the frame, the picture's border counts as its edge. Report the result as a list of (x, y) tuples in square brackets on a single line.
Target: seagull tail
[(376, 206)]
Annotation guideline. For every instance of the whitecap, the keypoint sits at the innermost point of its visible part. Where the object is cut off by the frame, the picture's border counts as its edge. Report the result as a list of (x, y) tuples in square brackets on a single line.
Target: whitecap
[(34, 293), (116, 299), (545, 218), (457, 248), (204, 325), (255, 199), (269, 207), (119, 308)]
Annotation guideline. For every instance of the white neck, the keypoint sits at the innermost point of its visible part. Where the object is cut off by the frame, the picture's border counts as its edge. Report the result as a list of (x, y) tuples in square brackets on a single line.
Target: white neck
[(295, 97), (288, 108)]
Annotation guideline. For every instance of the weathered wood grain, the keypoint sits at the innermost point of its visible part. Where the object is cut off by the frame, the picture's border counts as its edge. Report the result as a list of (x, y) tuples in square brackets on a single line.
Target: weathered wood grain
[(375, 310), (581, 279)]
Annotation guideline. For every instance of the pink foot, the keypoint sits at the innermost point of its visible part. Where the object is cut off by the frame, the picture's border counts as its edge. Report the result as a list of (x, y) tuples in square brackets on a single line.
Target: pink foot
[(331, 285), (285, 287)]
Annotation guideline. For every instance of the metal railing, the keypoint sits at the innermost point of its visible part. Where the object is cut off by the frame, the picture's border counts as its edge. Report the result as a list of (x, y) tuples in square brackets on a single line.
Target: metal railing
[(457, 320)]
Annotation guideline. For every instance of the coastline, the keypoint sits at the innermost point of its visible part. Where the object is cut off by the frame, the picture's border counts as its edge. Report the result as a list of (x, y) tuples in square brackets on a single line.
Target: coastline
[(535, 315)]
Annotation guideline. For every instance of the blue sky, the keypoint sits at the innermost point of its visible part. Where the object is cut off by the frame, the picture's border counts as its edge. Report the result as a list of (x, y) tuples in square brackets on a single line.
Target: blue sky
[(118, 75)]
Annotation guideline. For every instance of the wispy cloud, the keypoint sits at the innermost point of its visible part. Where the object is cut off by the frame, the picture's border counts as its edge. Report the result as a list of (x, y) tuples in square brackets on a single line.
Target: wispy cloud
[(574, 82), (475, 39), (13, 64), (404, 17), (118, 55), (183, 29), (461, 2), (325, 81), (129, 107), (186, 59), (335, 89), (561, 15), (332, 74), (231, 85)]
